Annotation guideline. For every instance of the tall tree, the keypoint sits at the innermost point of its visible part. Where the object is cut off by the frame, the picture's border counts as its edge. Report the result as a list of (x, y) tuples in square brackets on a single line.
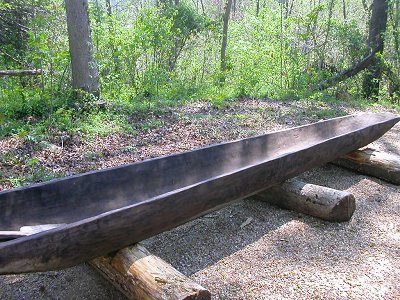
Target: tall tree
[(224, 43), (84, 69), (377, 28)]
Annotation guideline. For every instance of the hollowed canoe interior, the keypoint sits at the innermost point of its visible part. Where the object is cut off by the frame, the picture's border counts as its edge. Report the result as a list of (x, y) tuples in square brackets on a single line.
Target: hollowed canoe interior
[(79, 197)]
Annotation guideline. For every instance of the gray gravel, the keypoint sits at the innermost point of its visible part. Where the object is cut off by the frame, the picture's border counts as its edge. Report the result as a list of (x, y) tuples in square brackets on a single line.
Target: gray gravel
[(279, 254)]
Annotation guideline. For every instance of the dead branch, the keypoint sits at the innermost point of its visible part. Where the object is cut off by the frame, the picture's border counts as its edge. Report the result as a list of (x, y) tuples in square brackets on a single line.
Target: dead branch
[(33, 72)]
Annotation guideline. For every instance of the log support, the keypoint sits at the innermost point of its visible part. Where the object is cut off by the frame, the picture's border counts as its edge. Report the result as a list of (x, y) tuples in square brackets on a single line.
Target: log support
[(140, 275), (374, 163), (314, 200)]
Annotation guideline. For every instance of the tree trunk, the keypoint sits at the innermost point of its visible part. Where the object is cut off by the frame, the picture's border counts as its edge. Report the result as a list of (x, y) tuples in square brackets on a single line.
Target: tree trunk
[(175, 50), (109, 9), (227, 13), (140, 275), (84, 69), (377, 28), (396, 24), (344, 10), (288, 8), (115, 57), (310, 199), (374, 163), (258, 8)]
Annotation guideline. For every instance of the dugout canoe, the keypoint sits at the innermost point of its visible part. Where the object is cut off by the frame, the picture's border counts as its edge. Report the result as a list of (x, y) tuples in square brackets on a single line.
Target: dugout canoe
[(105, 210)]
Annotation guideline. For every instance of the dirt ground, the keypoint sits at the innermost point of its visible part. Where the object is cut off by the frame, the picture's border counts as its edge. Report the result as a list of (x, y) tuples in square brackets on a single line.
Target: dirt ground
[(280, 254)]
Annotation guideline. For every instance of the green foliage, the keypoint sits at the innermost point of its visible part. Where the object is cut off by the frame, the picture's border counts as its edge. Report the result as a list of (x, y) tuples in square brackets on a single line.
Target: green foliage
[(151, 57), (186, 22)]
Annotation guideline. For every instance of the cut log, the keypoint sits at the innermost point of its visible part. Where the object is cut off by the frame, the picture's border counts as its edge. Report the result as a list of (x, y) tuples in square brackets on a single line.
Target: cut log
[(140, 275), (314, 200), (21, 72), (372, 162)]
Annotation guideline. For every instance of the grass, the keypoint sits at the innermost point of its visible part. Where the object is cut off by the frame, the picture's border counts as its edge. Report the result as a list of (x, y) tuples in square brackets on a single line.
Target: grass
[(88, 121), (68, 122), (33, 170), (91, 123)]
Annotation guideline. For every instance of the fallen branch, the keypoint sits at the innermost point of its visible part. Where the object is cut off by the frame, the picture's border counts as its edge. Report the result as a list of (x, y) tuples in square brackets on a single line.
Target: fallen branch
[(354, 70), (21, 72), (140, 275), (371, 162), (310, 199)]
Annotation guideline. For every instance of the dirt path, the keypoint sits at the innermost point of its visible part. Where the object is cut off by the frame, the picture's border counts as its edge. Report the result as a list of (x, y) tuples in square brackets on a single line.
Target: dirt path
[(279, 254)]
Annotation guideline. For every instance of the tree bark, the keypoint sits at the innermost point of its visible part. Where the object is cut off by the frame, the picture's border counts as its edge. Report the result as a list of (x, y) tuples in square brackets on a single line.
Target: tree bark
[(227, 13), (140, 275), (377, 28), (371, 162), (84, 69), (314, 200)]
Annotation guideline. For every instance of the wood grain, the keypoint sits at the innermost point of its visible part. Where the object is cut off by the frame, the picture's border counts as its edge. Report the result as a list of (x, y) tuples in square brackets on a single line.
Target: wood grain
[(310, 199), (371, 162), (141, 275)]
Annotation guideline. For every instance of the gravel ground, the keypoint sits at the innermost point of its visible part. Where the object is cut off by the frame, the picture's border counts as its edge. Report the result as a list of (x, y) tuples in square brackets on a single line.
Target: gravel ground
[(279, 254)]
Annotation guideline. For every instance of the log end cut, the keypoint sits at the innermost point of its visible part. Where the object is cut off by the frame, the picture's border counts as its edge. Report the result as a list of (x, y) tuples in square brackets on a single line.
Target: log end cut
[(344, 209)]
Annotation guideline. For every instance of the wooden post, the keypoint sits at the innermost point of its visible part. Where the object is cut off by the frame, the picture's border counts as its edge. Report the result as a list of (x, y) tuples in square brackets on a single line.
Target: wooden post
[(371, 162), (140, 275), (314, 200)]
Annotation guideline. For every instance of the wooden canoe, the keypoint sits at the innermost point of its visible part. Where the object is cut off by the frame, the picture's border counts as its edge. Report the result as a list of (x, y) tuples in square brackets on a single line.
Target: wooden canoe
[(103, 211)]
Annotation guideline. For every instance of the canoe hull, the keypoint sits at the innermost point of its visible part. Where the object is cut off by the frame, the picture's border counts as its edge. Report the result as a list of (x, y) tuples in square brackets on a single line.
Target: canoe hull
[(80, 241)]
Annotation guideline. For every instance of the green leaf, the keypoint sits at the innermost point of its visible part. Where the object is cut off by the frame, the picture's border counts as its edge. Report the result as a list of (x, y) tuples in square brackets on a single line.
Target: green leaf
[(31, 162)]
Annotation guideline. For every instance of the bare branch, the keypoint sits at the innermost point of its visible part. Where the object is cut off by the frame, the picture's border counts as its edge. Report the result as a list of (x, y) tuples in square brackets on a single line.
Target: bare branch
[(33, 72)]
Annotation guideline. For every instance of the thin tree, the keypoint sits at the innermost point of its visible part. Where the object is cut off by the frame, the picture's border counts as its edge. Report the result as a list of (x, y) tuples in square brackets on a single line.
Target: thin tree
[(84, 69), (377, 28), (109, 9), (224, 43), (344, 10)]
